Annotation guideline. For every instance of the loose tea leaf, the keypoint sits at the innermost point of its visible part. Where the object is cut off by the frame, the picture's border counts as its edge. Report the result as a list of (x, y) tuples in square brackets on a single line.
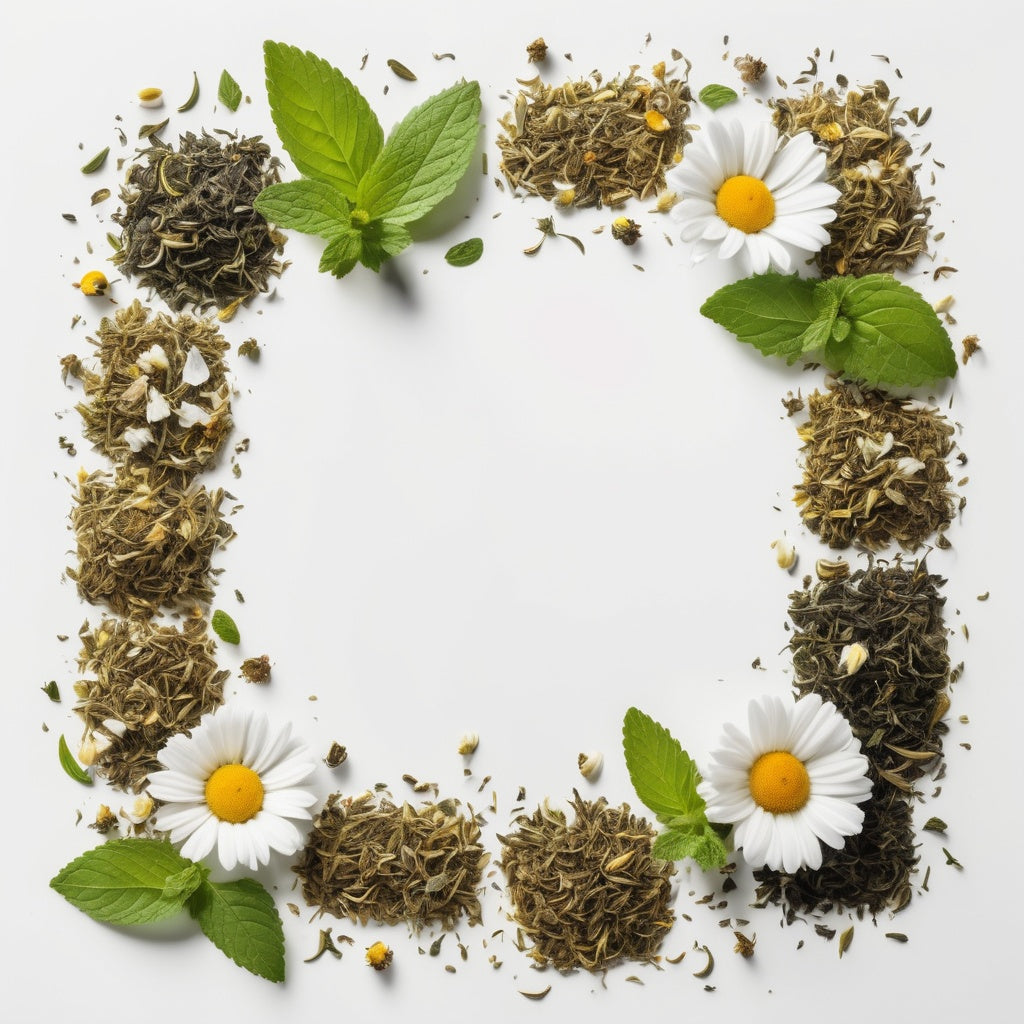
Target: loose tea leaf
[(193, 97), (97, 161), (464, 254), (70, 765), (224, 626), (229, 92)]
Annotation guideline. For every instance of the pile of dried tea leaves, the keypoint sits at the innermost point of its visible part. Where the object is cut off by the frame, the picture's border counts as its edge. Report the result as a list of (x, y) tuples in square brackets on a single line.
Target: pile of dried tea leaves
[(874, 643), (161, 398), (874, 469), (189, 229), (881, 220), (146, 545), (587, 893), (592, 142), (368, 859), (149, 682)]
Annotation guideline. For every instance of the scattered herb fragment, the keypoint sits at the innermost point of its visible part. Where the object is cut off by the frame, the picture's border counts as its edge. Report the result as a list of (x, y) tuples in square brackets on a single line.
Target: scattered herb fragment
[(401, 70), (464, 254), (193, 96), (228, 91), (537, 51), (51, 691), (844, 941), (224, 626), (897, 936), (256, 670), (626, 230), (535, 995), (715, 96), (751, 68), (336, 756), (379, 956), (950, 859), (325, 945), (151, 131), (70, 765), (97, 161), (934, 825), (708, 967)]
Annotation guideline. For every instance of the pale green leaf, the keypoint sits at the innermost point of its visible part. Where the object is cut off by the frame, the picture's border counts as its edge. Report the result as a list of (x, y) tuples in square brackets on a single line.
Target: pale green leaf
[(229, 92), (662, 773), (125, 881), (381, 241), (323, 121), (224, 626), (313, 207), (424, 157), (701, 845), (342, 253), (70, 765), (715, 96), (240, 919)]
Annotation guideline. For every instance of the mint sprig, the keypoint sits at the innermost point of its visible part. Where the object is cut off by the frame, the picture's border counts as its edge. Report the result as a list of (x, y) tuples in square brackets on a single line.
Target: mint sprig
[(360, 190), (139, 881), (871, 329), (665, 779)]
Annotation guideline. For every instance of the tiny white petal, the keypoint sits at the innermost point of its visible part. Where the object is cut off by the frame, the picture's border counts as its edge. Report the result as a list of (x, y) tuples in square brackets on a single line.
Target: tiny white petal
[(195, 371), (190, 414), (138, 437), (157, 407), (153, 359)]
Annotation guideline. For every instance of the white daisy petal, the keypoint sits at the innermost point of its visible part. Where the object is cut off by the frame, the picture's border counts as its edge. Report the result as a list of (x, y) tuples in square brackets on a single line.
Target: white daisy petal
[(195, 370), (175, 786), (202, 841)]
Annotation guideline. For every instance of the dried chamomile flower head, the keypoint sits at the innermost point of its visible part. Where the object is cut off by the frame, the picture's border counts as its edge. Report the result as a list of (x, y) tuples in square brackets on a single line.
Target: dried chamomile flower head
[(94, 283), (469, 742), (379, 956)]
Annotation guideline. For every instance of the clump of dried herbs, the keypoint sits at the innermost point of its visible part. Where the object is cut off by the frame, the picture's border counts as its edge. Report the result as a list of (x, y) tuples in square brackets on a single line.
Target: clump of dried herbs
[(894, 697), (148, 683), (189, 229), (373, 860), (881, 220), (588, 893), (145, 545), (874, 469), (599, 142), (160, 399)]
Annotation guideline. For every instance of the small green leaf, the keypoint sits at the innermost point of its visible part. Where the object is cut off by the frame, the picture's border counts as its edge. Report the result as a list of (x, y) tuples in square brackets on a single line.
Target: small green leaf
[(183, 883), (424, 157), (662, 773), (310, 206), (715, 96), (51, 691), (464, 254), (224, 626), (703, 846), (229, 92), (125, 881), (193, 96), (97, 161), (70, 765), (342, 253), (240, 919)]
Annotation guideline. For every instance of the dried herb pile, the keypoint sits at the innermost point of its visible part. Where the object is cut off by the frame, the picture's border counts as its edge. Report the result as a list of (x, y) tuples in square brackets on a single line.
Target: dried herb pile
[(881, 220), (148, 683), (593, 142), (161, 398), (368, 859), (874, 470), (894, 700), (189, 229), (588, 893)]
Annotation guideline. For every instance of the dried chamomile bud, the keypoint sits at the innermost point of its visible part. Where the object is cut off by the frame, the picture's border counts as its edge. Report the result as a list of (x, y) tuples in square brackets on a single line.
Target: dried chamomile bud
[(379, 956), (151, 97), (468, 743), (852, 657), (590, 764), (785, 553)]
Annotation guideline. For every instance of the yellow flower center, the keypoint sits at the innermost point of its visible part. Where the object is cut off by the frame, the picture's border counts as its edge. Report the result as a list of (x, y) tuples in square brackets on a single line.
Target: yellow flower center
[(779, 782), (234, 793), (745, 203)]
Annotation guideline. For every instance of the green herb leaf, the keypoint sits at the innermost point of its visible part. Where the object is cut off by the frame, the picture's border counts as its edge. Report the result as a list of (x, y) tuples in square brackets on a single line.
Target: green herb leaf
[(224, 626), (240, 919), (193, 96), (97, 161), (895, 337), (715, 96), (228, 91), (381, 241), (183, 883), (769, 311), (424, 157), (310, 206), (324, 123), (702, 845), (662, 773), (464, 254), (70, 765), (342, 253), (52, 691), (126, 881)]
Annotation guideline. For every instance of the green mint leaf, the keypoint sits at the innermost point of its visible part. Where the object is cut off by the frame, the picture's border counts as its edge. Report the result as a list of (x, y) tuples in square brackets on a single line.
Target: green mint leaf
[(662, 773), (224, 626), (895, 338), (312, 207), (769, 311), (125, 881), (97, 161), (51, 690), (465, 254), (70, 765), (424, 157), (240, 919), (702, 845), (228, 91), (818, 333), (342, 253), (323, 121), (381, 241), (715, 96), (183, 883)]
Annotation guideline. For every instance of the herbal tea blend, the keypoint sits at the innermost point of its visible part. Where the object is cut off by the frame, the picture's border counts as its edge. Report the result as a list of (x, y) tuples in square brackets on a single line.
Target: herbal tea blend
[(148, 683), (161, 399), (146, 544), (595, 142), (189, 229), (371, 860), (588, 892), (874, 469)]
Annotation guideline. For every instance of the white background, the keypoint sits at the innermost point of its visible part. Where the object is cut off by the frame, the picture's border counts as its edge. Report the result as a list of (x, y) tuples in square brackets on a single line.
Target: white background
[(513, 499)]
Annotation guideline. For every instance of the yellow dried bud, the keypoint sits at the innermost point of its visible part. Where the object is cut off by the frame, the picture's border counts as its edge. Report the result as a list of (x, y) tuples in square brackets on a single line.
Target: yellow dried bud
[(94, 283), (151, 97), (785, 553), (379, 956), (659, 69), (565, 197), (469, 743), (852, 658), (657, 121), (833, 131)]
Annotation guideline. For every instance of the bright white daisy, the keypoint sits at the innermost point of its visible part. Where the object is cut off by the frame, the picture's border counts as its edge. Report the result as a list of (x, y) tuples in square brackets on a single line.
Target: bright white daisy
[(795, 778), (233, 784), (744, 191)]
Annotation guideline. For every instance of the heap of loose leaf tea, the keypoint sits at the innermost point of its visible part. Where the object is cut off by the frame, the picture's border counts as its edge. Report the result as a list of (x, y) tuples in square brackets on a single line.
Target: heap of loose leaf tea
[(595, 142), (148, 683), (588, 893), (161, 398), (874, 469), (189, 228), (146, 544), (371, 860), (881, 220)]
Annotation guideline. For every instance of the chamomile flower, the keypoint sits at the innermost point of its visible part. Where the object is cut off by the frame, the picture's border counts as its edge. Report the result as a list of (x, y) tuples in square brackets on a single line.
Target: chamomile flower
[(743, 191), (233, 784), (791, 783)]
